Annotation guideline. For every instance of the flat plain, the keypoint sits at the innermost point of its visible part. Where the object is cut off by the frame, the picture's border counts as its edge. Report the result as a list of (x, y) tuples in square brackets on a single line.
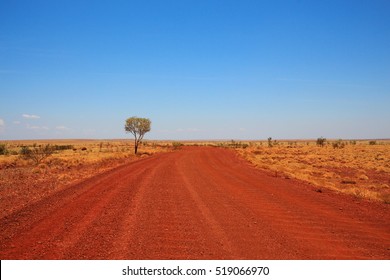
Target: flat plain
[(96, 200), (358, 168)]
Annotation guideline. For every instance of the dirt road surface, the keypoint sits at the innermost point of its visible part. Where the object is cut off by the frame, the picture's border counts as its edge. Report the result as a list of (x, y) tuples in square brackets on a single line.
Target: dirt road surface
[(196, 203)]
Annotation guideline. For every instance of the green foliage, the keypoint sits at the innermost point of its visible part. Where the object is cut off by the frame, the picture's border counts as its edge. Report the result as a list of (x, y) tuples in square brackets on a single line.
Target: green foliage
[(176, 145), (24, 151), (37, 153), (138, 127), (372, 142), (63, 147), (3, 149), (321, 141)]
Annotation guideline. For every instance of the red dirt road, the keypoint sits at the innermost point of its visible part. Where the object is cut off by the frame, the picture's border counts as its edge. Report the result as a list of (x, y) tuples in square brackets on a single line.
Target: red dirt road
[(196, 203)]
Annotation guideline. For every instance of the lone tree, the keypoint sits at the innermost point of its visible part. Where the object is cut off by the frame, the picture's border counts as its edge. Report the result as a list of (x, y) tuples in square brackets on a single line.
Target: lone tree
[(138, 127)]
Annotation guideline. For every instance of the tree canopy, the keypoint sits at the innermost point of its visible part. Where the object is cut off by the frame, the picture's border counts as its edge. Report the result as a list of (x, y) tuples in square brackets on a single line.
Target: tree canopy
[(138, 127)]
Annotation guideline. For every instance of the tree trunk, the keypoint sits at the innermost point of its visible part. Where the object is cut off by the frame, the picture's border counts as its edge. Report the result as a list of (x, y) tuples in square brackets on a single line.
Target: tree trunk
[(135, 146)]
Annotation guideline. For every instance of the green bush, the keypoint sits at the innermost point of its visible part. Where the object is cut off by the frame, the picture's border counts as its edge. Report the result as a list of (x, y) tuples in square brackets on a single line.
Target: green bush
[(63, 147), (321, 141), (37, 153), (177, 145), (24, 151), (3, 149)]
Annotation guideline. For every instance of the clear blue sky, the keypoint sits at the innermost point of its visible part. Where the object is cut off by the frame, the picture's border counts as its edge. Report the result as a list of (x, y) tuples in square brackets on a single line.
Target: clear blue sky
[(198, 69)]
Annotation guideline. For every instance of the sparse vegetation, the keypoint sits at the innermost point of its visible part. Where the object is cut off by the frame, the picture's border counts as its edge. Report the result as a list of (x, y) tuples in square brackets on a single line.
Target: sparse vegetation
[(37, 153), (23, 181), (63, 147), (234, 144), (3, 149), (270, 142), (360, 169), (368, 166), (339, 144), (176, 145), (321, 141)]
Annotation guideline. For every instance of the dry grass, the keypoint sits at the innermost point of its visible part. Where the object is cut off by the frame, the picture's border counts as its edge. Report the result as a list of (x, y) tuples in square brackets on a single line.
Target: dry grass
[(80, 152), (22, 181), (358, 168)]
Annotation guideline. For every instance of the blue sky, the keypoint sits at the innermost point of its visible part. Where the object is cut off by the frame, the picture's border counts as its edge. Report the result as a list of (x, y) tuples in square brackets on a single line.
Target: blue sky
[(198, 69)]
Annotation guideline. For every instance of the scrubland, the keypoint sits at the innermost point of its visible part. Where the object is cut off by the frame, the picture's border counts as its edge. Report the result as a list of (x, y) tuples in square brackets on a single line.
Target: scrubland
[(359, 168), (23, 181)]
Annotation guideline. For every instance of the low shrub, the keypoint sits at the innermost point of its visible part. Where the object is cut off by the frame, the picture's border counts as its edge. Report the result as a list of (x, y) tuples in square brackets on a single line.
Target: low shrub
[(3, 149), (321, 141), (37, 153), (177, 145), (63, 147), (339, 144)]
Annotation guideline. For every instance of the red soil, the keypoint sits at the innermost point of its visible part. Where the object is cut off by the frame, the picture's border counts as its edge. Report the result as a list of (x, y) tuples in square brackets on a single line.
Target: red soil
[(195, 203)]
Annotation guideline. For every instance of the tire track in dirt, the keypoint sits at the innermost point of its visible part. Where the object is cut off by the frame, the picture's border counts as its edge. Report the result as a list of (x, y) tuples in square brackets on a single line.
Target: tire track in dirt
[(216, 230), (117, 219), (310, 220), (195, 203), (58, 225), (176, 228), (100, 216)]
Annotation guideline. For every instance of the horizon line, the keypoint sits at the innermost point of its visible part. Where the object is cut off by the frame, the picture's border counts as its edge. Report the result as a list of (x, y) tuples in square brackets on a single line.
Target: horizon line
[(196, 140)]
